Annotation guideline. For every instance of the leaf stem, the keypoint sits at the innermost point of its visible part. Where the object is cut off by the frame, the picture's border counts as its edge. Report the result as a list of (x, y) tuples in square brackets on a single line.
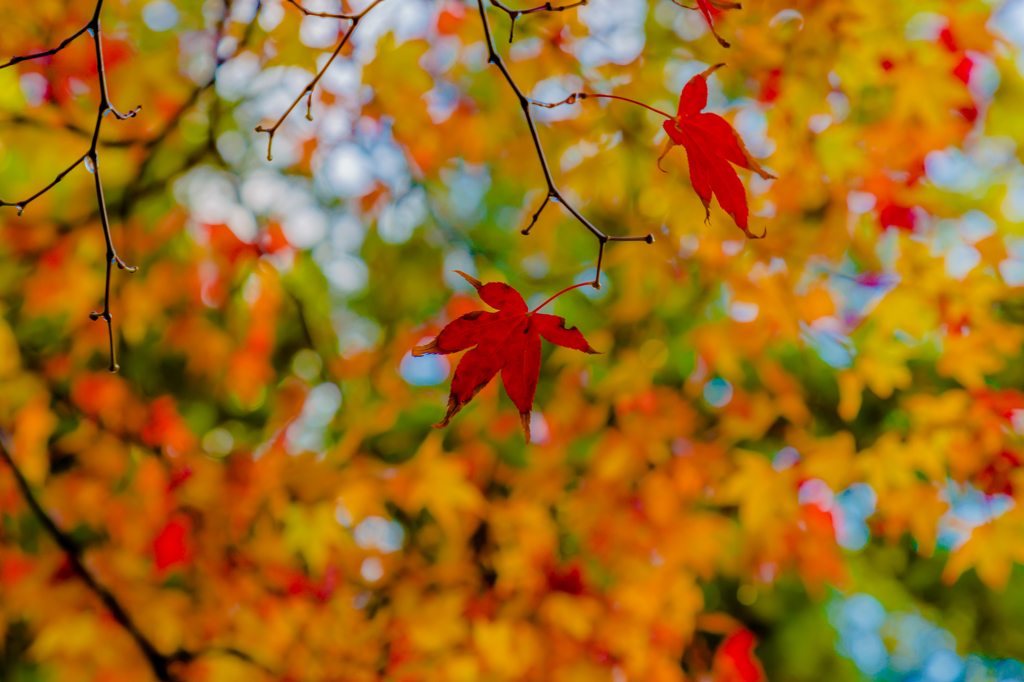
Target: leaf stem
[(586, 95), (566, 290), (571, 99)]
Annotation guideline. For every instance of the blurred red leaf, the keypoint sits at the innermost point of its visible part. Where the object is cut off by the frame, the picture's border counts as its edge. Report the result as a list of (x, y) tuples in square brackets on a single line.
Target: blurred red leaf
[(171, 546), (735, 660), (450, 18), (894, 215), (565, 579), (719, 5), (165, 427)]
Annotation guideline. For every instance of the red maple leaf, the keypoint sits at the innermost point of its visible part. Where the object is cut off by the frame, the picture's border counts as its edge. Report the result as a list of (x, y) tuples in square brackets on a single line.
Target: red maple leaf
[(711, 144), (702, 5), (735, 660), (508, 340), (894, 215), (171, 545)]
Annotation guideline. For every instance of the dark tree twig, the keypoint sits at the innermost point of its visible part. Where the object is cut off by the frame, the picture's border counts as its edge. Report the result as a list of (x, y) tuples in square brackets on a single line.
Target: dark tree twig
[(553, 193), (91, 161), (308, 90), (64, 43), (327, 15), (516, 13)]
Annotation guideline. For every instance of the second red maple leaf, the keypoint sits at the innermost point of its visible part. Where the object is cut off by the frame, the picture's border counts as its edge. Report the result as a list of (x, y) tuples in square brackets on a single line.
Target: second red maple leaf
[(711, 145)]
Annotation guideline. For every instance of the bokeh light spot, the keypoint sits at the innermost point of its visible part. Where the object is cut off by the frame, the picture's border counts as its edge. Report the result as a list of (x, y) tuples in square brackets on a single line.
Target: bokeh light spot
[(718, 392)]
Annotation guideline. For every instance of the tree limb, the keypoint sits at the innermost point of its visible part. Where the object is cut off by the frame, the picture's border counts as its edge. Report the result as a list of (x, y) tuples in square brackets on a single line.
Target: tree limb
[(159, 663)]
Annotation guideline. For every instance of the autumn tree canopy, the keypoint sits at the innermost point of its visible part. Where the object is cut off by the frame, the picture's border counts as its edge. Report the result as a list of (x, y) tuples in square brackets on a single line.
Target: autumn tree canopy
[(717, 311)]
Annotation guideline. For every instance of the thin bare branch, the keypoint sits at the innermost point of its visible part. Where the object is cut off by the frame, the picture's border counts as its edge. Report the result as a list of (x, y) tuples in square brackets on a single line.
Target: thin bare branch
[(514, 14), (64, 43), (326, 15), (21, 205), (91, 161), (308, 90), (553, 193)]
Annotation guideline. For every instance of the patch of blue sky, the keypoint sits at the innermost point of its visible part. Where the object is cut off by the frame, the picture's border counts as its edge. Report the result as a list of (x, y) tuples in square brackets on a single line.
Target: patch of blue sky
[(903, 645)]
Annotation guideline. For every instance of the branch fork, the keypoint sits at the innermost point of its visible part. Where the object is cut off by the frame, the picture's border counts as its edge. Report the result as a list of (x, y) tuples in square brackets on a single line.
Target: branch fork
[(514, 14), (553, 193), (307, 92)]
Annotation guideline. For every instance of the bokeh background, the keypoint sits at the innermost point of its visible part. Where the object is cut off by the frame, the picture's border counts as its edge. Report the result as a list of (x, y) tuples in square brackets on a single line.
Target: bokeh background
[(795, 459)]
